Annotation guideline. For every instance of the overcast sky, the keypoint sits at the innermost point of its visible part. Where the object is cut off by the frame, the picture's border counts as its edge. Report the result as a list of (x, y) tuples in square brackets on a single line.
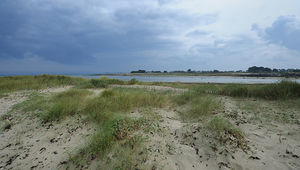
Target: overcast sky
[(96, 36)]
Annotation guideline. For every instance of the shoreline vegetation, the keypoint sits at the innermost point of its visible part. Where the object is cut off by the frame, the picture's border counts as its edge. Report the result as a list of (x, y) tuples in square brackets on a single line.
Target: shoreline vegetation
[(251, 72), (231, 74), (141, 125)]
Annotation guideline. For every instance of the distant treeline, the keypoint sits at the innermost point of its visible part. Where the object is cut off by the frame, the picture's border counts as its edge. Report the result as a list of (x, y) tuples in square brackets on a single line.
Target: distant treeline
[(256, 69), (253, 69)]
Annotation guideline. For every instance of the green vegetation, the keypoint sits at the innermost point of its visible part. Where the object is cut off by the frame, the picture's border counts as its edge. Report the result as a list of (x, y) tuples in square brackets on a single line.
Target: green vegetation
[(118, 143), (55, 107), (14, 83), (4, 124), (226, 133), (122, 100), (196, 105), (128, 154), (116, 134), (116, 129), (283, 111), (222, 126), (282, 90), (103, 82), (203, 106), (66, 103), (275, 91)]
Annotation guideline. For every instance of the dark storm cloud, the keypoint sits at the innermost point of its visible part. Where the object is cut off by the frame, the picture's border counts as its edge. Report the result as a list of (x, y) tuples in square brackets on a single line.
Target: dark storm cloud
[(66, 34)]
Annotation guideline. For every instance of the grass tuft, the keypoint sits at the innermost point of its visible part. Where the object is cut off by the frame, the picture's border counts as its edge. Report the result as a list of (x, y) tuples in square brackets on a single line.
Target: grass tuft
[(227, 133), (196, 105), (4, 125), (274, 91), (66, 103), (121, 100), (14, 83)]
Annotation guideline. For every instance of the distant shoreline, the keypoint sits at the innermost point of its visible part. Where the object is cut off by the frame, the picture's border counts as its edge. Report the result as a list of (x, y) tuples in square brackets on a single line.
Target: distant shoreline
[(233, 74)]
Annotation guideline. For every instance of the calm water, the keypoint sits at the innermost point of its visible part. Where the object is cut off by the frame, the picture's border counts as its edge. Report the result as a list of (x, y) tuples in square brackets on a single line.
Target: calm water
[(199, 79)]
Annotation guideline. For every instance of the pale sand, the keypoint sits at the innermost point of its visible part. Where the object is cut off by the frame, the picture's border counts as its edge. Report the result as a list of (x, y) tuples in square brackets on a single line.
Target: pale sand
[(31, 144), (179, 145)]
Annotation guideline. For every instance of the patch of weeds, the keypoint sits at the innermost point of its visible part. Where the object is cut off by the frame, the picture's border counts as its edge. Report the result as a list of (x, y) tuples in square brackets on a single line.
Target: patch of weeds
[(283, 111), (3, 95), (4, 125), (127, 154), (205, 88), (54, 107), (274, 91), (115, 143), (227, 133), (35, 102), (104, 82), (14, 83), (204, 105), (196, 105), (121, 100), (235, 90), (184, 98), (107, 93), (132, 81), (65, 103), (98, 83)]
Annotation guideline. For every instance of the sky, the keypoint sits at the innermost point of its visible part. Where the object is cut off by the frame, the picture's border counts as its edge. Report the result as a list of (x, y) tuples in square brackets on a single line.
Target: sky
[(101, 36)]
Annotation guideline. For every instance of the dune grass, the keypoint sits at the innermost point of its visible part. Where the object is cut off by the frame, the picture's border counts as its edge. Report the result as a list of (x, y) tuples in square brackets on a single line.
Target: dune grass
[(55, 107), (222, 126), (4, 124), (104, 82), (14, 83), (195, 105), (226, 133), (274, 91), (116, 131), (66, 103), (122, 100), (76, 101)]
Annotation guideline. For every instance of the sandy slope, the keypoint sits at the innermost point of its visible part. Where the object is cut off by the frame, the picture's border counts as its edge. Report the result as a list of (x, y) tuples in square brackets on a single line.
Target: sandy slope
[(272, 145), (30, 144), (166, 148), (6, 103), (185, 146)]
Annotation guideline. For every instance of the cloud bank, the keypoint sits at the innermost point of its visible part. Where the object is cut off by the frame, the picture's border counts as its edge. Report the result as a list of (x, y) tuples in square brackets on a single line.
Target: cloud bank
[(64, 36)]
